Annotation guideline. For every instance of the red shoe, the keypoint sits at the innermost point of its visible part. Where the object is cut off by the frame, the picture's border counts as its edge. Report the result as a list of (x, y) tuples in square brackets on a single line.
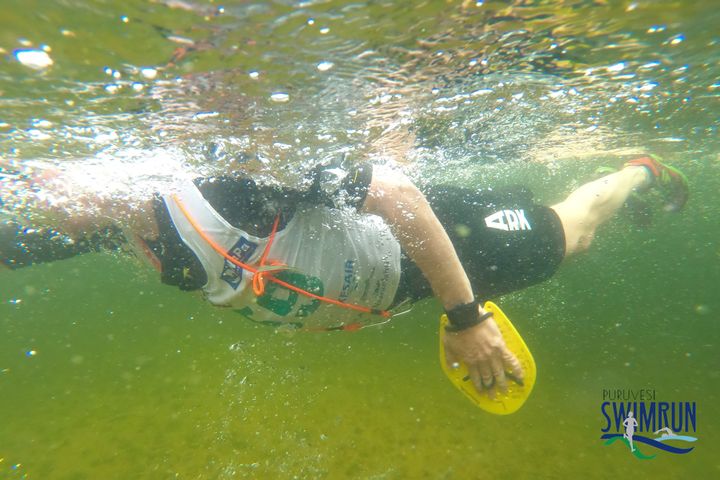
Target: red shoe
[(670, 181)]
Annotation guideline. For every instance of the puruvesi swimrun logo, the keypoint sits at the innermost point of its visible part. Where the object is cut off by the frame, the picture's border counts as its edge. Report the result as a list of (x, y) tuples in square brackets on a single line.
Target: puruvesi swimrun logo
[(635, 419)]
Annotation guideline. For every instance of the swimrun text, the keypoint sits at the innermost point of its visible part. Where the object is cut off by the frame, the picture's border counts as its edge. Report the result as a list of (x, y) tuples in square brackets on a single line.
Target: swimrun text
[(651, 416)]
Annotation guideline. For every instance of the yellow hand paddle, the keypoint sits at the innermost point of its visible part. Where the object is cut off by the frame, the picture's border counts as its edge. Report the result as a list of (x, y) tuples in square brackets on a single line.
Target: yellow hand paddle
[(518, 392)]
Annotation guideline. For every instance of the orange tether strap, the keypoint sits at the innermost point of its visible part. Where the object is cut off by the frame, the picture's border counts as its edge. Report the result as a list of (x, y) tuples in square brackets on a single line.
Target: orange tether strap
[(258, 282), (259, 275)]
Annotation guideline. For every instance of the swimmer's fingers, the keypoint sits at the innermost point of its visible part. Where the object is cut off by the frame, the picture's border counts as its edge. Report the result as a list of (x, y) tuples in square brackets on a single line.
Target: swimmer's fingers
[(498, 372), (481, 349), (513, 367), (487, 380), (474, 375), (494, 374)]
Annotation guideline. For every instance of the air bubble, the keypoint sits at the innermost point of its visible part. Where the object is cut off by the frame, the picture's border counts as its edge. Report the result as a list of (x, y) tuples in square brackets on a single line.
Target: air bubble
[(35, 59), (279, 97), (702, 309), (41, 123), (148, 72), (676, 39), (204, 115)]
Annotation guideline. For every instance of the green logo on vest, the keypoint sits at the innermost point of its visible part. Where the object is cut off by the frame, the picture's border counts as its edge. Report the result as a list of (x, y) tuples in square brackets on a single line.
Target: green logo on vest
[(282, 301)]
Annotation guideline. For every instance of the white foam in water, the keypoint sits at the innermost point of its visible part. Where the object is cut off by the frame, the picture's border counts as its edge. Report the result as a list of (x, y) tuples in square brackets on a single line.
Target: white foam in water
[(125, 174)]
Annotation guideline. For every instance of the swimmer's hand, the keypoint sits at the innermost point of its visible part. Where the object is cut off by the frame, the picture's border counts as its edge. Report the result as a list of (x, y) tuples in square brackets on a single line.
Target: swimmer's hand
[(483, 350)]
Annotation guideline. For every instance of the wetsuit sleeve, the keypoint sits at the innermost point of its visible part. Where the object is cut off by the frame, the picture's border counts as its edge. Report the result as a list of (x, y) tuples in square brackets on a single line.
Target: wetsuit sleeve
[(22, 246)]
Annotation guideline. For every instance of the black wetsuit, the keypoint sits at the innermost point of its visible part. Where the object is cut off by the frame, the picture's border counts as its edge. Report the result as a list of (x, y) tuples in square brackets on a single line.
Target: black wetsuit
[(504, 240)]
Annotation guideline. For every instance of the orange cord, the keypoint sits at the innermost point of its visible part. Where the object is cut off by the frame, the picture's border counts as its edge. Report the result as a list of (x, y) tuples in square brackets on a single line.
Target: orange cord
[(258, 285), (258, 282)]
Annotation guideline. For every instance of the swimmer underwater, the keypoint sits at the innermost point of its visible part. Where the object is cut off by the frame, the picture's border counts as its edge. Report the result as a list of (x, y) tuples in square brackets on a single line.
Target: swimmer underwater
[(354, 245)]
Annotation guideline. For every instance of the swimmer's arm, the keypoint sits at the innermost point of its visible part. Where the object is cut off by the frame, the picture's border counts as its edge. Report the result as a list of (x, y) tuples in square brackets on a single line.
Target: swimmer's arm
[(58, 221), (481, 347), (400, 203), (23, 245)]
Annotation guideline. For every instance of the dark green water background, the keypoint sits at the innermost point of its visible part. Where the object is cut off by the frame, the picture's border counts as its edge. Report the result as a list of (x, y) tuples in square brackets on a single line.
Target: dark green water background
[(135, 380)]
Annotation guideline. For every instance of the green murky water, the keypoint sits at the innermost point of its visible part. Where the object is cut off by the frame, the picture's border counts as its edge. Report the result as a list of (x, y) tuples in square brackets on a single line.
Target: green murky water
[(107, 374)]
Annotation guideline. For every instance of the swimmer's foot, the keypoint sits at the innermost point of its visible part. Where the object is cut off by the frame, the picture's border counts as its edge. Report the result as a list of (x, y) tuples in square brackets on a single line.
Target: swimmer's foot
[(670, 182)]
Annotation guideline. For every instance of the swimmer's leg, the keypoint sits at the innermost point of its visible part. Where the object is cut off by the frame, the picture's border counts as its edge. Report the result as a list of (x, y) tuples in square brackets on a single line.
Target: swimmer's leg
[(591, 205)]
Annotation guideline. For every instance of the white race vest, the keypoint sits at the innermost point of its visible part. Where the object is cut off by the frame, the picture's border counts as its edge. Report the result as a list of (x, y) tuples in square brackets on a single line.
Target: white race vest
[(333, 253)]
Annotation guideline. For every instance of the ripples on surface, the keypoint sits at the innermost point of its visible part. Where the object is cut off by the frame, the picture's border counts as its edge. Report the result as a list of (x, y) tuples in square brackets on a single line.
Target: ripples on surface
[(473, 83)]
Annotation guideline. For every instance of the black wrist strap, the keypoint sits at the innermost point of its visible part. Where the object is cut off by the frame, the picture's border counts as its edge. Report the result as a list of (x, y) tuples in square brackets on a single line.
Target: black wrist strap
[(465, 316)]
